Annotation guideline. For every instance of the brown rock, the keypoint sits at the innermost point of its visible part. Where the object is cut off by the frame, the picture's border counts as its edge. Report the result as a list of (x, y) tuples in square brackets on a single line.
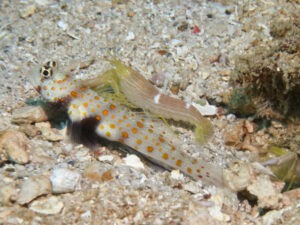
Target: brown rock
[(29, 114), (15, 144), (32, 188)]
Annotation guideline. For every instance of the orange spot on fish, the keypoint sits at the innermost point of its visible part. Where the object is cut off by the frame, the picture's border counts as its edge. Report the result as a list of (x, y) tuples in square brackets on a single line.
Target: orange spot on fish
[(139, 141), (165, 156), (150, 149), (112, 106), (124, 134), (108, 134), (85, 104), (134, 130), (98, 117), (105, 112), (112, 126), (178, 162), (139, 124), (161, 139), (189, 170), (74, 94), (97, 98), (53, 88)]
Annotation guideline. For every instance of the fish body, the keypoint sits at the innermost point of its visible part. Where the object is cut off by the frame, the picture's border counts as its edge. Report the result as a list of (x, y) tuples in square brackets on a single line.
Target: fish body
[(116, 122)]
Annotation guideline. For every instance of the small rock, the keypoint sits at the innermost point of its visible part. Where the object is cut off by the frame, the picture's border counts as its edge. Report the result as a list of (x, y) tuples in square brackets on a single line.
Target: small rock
[(6, 194), (249, 126), (64, 180), (192, 187), (196, 214), (134, 161), (234, 134), (177, 175), (15, 145), (238, 176), (131, 14), (184, 26), (29, 114), (216, 210), (32, 188), (29, 130), (204, 75), (47, 206), (43, 2), (272, 217), (225, 73), (61, 24), (207, 109), (27, 11), (48, 133), (130, 36), (264, 190), (96, 171), (106, 158)]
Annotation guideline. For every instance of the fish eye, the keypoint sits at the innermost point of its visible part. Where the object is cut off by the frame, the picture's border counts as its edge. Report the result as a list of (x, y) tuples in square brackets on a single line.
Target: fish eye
[(46, 72)]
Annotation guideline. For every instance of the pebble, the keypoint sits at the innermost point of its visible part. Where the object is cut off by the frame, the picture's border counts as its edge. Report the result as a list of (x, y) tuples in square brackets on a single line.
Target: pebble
[(34, 187), (234, 134), (97, 171), (134, 161), (238, 176), (47, 206), (27, 11), (207, 109), (177, 175), (64, 180), (6, 194), (15, 145), (106, 158), (29, 130), (61, 24), (265, 191), (130, 36), (48, 133), (29, 114)]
